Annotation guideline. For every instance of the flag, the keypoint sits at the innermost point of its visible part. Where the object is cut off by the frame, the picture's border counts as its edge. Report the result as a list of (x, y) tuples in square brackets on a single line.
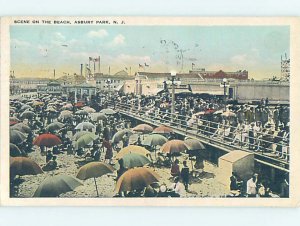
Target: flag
[(146, 65), (141, 66), (96, 60), (126, 68), (91, 59)]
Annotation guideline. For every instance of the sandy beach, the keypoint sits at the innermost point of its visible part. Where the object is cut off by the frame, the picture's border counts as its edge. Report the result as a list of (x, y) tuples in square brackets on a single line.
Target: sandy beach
[(206, 185)]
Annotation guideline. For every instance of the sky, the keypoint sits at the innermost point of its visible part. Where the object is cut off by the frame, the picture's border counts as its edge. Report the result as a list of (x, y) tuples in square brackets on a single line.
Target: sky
[(37, 50)]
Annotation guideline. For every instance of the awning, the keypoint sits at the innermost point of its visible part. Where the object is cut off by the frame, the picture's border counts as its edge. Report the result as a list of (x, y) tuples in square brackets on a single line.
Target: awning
[(205, 90)]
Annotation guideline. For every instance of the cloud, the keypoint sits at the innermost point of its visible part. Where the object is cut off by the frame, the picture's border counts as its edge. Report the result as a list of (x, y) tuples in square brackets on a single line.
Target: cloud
[(59, 36), (98, 34), (129, 59), (19, 43), (118, 40), (246, 59)]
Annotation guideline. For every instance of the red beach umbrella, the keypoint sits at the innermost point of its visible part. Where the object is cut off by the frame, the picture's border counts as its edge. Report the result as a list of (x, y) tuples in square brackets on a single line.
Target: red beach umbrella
[(47, 139)]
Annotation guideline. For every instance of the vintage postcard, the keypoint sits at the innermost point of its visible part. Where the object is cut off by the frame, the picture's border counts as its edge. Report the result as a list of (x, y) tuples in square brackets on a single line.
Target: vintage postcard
[(150, 111)]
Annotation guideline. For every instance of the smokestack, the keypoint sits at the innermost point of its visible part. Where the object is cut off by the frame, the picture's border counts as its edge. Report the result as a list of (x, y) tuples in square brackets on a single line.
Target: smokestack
[(81, 68), (54, 73)]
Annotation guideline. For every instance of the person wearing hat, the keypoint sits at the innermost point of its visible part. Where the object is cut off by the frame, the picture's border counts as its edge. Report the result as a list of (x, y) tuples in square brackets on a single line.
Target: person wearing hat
[(251, 186), (276, 117), (264, 116), (185, 174), (251, 136), (285, 142), (175, 170), (278, 140)]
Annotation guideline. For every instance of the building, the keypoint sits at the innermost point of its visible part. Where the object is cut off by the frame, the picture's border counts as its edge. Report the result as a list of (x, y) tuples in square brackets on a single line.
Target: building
[(53, 88), (239, 75), (25, 85), (83, 91), (71, 79), (114, 82)]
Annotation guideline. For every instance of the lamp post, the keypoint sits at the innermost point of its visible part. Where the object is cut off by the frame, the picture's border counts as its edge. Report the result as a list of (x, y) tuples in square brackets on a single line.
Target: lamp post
[(224, 84), (172, 81), (108, 82)]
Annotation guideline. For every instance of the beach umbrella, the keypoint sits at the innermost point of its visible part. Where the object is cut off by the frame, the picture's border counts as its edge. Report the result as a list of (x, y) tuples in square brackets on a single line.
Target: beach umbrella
[(93, 170), (16, 137), (65, 114), (54, 126), (14, 151), (98, 116), (228, 114), (143, 128), (79, 104), (24, 107), (132, 160), (118, 136), (193, 144), (67, 107), (27, 114), (136, 179), (24, 166), (218, 112), (89, 109), (79, 134), (155, 139), (132, 149), (199, 113), (81, 112), (209, 111), (47, 139), (53, 186), (37, 103), (11, 122), (85, 140), (21, 127), (162, 130), (85, 126), (108, 111), (51, 109), (174, 146), (14, 119)]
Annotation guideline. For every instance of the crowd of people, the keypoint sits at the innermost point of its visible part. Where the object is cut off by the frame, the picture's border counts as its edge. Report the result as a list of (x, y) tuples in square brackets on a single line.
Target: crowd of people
[(258, 127), (261, 127)]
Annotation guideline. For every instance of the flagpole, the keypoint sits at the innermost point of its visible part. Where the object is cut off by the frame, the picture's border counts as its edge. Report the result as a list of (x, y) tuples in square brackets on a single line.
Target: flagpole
[(129, 70), (99, 69), (94, 66)]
